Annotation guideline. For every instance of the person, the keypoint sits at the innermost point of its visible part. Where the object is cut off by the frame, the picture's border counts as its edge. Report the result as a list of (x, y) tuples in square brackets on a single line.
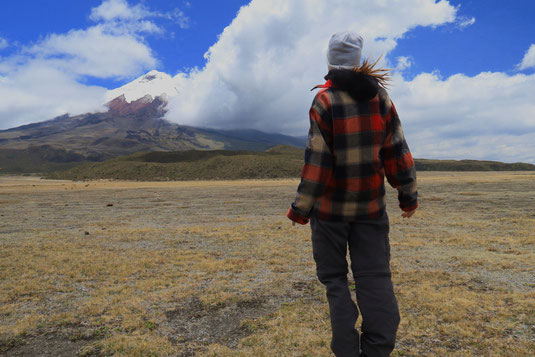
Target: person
[(355, 139)]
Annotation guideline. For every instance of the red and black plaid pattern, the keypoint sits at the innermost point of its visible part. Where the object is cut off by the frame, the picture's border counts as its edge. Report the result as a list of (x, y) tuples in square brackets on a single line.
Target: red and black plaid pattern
[(351, 146)]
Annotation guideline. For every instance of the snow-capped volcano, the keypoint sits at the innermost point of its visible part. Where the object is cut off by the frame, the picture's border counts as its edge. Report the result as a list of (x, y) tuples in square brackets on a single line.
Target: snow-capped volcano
[(153, 83)]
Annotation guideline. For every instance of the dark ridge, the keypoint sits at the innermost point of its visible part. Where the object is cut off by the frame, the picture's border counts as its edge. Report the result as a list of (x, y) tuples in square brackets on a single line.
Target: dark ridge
[(470, 165), (278, 162)]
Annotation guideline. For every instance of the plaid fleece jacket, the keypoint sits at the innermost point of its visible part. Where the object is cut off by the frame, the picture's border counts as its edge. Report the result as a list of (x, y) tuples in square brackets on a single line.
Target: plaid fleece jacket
[(352, 144)]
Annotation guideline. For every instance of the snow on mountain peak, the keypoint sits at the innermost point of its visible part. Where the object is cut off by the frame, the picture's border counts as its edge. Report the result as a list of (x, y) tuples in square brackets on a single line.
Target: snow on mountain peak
[(152, 75), (153, 83)]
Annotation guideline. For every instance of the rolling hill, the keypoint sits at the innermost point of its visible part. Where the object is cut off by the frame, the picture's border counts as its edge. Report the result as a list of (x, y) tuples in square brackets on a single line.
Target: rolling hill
[(277, 162)]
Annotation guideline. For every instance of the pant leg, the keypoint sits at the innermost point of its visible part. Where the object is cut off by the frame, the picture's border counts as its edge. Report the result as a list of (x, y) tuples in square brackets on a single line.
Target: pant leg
[(329, 243), (369, 249)]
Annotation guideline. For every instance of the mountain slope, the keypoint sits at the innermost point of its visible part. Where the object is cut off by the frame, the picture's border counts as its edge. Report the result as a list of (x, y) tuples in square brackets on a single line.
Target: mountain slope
[(126, 128)]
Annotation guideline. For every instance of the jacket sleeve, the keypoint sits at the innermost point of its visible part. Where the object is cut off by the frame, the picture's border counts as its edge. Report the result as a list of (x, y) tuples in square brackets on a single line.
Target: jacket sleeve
[(319, 160), (398, 162)]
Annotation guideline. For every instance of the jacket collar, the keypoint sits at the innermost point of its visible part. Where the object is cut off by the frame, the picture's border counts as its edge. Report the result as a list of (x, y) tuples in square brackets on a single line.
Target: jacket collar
[(327, 84)]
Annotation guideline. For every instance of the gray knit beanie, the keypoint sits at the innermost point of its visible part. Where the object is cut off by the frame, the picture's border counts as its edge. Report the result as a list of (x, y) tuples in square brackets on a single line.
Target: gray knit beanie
[(344, 51)]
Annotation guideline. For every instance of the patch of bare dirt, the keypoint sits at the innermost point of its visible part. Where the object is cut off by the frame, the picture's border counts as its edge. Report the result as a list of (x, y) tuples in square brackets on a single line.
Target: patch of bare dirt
[(195, 324), (64, 343)]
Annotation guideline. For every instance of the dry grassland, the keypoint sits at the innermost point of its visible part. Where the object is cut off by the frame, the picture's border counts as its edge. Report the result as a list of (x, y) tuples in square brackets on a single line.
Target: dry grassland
[(215, 269)]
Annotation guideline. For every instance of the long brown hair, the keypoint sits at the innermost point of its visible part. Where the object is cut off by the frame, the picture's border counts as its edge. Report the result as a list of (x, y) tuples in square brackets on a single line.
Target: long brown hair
[(380, 74)]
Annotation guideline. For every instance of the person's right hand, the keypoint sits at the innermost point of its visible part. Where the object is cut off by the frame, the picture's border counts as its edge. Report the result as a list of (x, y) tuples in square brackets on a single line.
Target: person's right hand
[(408, 214)]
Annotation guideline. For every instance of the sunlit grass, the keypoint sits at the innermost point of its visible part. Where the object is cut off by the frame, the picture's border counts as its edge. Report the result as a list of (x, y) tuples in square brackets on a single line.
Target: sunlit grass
[(166, 255)]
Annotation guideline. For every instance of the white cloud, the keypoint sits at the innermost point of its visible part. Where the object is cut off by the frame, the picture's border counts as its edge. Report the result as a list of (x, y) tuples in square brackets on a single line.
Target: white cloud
[(260, 71), (46, 79), (118, 9), (3, 43), (487, 116), (529, 59), (95, 52), (179, 17), (464, 21), (121, 10), (403, 62), (39, 92)]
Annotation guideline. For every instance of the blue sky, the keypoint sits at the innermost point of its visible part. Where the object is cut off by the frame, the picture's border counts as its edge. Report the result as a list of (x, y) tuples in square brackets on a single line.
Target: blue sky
[(499, 37), (464, 71), (495, 42), (22, 23)]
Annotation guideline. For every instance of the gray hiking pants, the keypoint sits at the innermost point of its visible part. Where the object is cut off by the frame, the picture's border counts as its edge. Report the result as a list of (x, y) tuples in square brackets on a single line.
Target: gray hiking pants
[(369, 251)]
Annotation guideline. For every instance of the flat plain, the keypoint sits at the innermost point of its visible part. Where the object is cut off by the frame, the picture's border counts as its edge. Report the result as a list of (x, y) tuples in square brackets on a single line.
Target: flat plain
[(214, 268)]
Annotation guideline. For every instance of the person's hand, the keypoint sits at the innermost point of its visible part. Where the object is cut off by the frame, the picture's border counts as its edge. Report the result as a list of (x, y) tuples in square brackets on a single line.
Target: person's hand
[(408, 214)]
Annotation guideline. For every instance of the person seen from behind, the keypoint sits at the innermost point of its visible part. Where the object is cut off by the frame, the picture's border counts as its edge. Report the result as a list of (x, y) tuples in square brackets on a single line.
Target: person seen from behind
[(355, 140)]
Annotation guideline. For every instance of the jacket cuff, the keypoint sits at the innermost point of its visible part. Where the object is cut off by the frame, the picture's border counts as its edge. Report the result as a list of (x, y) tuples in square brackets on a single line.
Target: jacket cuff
[(297, 218), (409, 207)]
